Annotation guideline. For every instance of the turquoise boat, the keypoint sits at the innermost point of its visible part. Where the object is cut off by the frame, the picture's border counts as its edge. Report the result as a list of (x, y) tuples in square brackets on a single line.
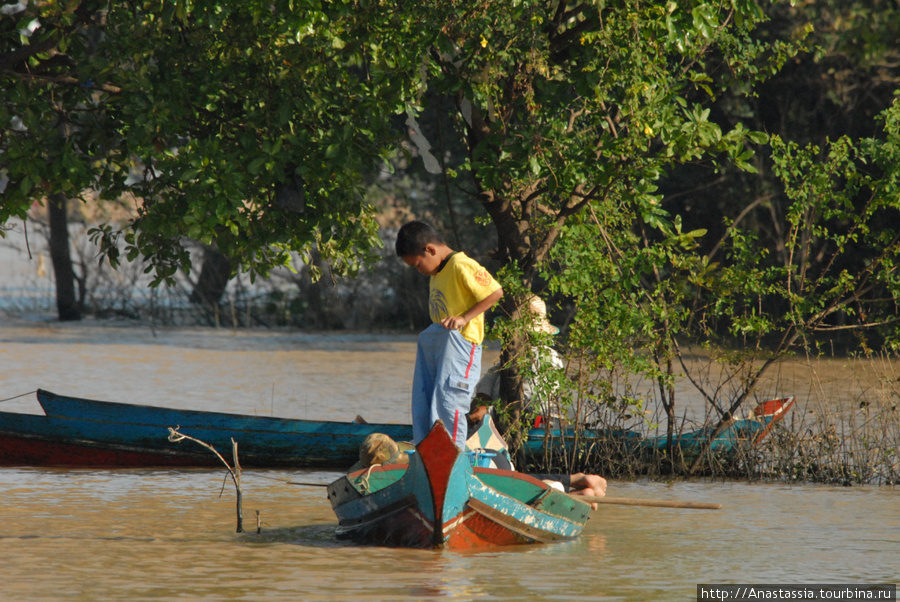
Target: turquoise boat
[(439, 500)]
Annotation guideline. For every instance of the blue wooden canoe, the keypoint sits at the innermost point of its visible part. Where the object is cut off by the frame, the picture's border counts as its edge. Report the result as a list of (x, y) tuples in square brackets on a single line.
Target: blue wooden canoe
[(438, 500), (740, 434), (84, 432)]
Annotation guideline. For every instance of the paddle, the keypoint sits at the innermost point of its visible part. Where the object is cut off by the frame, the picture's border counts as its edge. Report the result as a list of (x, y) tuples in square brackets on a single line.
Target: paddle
[(627, 501)]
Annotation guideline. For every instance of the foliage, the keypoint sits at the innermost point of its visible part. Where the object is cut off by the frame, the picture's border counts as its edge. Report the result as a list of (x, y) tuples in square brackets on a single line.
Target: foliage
[(845, 209), (640, 300), (248, 126), (568, 104), (575, 110)]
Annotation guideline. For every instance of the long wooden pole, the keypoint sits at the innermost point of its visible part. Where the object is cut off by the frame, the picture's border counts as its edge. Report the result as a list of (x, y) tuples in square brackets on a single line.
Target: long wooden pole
[(588, 499), (627, 501), (621, 501)]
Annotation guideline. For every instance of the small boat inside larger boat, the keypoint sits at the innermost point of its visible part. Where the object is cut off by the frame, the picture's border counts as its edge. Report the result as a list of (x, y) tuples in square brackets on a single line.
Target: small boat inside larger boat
[(438, 499)]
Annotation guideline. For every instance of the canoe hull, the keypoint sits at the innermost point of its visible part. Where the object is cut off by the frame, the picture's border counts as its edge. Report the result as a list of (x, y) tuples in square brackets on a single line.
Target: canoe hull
[(739, 435), (23, 451), (83, 432)]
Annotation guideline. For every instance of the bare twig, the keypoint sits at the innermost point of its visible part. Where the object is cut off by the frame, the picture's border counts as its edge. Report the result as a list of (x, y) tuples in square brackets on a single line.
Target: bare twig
[(175, 436)]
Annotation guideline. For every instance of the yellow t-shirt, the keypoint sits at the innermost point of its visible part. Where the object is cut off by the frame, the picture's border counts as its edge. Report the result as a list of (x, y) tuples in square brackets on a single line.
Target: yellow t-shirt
[(460, 284)]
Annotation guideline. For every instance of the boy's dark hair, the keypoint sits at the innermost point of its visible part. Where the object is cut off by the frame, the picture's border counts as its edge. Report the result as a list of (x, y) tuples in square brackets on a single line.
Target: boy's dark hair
[(413, 236)]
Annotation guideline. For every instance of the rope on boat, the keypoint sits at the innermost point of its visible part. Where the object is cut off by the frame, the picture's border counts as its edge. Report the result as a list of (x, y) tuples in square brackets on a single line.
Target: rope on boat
[(18, 396), (364, 480)]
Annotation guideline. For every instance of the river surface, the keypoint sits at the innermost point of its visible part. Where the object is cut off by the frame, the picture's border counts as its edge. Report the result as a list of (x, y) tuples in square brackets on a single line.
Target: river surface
[(146, 534)]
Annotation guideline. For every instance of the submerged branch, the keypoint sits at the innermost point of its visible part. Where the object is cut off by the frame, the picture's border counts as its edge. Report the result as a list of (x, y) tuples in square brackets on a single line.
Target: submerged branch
[(175, 436)]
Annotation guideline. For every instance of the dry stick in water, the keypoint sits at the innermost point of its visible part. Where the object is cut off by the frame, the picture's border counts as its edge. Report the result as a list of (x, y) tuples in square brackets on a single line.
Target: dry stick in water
[(175, 437)]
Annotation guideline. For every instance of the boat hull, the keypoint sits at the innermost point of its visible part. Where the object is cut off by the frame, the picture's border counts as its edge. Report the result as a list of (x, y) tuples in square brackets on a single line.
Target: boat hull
[(16, 450), (440, 501), (737, 436), (83, 432)]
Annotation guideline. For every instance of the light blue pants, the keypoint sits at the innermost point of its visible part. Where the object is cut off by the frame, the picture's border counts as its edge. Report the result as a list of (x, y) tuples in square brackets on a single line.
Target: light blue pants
[(447, 369)]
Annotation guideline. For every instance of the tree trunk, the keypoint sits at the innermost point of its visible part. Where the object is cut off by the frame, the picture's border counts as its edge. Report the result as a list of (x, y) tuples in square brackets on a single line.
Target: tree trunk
[(511, 384), (67, 305), (512, 392), (667, 397), (512, 249), (213, 280)]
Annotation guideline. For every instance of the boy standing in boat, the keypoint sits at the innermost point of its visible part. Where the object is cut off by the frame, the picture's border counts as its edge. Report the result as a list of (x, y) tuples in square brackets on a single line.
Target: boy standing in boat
[(448, 356)]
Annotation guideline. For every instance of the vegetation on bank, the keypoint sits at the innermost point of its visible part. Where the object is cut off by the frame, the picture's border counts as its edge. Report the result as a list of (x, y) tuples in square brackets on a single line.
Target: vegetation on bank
[(843, 430)]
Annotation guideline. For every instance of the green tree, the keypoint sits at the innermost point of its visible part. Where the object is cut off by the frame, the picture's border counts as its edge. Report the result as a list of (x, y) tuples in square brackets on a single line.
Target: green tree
[(847, 76), (244, 126), (250, 124), (828, 98), (576, 108), (836, 275)]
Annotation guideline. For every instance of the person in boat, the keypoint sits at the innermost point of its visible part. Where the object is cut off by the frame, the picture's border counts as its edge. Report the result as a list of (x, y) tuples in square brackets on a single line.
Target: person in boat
[(577, 484), (486, 444), (544, 357), (448, 355), (378, 448)]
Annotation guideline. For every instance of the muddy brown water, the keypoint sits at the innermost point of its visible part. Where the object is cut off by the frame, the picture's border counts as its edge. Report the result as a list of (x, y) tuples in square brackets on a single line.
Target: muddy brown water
[(146, 534)]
